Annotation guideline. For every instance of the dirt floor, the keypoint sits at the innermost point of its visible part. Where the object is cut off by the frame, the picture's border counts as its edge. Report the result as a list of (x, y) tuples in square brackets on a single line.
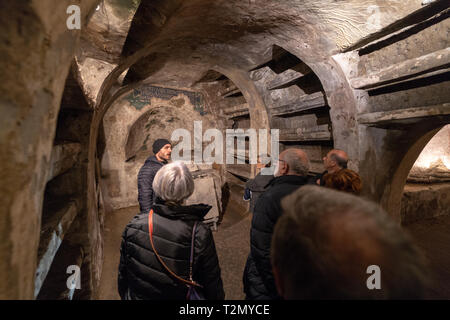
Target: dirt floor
[(231, 239), (433, 237), (232, 243)]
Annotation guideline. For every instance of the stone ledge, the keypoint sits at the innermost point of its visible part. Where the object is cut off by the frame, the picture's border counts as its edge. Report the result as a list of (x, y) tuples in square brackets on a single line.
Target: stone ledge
[(57, 218), (421, 202), (64, 156)]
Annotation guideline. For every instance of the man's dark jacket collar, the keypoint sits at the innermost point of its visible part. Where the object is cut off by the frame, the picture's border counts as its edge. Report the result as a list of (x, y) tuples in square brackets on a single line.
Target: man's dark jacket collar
[(154, 159), (289, 179)]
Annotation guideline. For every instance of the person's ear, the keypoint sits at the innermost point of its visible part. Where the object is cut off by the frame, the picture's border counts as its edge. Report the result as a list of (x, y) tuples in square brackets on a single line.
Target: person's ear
[(285, 168), (278, 282)]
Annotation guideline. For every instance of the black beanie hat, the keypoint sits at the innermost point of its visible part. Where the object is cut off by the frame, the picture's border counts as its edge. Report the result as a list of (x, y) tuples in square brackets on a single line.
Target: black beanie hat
[(158, 144)]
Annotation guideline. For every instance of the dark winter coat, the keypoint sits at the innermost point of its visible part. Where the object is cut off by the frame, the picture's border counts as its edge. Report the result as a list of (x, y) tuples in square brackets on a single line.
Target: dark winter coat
[(258, 279), (141, 276), (313, 179), (257, 186), (146, 175)]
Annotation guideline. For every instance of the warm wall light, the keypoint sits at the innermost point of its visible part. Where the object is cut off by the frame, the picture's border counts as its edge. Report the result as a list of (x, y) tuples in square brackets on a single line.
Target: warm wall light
[(437, 151), (427, 161)]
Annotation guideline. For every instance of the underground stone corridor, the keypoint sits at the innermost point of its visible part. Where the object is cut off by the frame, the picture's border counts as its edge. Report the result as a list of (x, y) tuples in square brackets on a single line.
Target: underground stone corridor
[(231, 239), (82, 105)]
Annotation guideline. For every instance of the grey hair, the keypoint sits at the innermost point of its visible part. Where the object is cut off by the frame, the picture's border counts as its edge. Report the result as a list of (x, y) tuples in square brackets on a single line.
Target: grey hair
[(297, 164), (337, 236), (173, 182)]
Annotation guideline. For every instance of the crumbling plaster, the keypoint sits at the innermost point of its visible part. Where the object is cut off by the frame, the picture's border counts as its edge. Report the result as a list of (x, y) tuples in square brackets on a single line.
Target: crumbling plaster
[(190, 37), (35, 63), (162, 117)]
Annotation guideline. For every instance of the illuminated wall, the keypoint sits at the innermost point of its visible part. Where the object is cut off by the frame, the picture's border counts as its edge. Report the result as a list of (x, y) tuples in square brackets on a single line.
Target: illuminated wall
[(436, 154)]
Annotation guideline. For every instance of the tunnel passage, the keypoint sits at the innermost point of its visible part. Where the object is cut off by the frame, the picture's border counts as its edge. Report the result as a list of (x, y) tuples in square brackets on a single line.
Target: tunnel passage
[(326, 74), (64, 234), (425, 209), (298, 105)]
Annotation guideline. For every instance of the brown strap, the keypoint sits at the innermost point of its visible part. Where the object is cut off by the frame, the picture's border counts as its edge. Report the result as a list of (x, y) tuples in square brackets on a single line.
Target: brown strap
[(150, 232)]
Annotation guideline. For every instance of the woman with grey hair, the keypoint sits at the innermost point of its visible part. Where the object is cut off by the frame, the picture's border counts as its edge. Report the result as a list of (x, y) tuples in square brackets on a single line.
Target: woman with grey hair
[(156, 260)]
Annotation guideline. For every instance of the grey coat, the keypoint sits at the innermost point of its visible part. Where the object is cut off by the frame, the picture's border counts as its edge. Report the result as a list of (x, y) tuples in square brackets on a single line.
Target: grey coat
[(257, 186)]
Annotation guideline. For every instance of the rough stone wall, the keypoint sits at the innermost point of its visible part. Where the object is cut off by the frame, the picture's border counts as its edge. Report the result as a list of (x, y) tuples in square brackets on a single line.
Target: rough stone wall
[(427, 193), (131, 126), (36, 52), (387, 92), (175, 48), (433, 163), (424, 201)]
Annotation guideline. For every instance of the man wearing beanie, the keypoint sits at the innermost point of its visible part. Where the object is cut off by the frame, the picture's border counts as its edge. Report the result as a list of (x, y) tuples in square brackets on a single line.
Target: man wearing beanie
[(162, 150)]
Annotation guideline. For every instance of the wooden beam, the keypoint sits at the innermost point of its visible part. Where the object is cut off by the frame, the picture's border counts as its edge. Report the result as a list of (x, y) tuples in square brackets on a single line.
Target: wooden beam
[(383, 117), (405, 70), (301, 104)]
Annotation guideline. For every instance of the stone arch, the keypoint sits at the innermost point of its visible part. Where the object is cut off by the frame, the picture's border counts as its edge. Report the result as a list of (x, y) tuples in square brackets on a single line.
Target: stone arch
[(259, 118), (339, 96), (258, 111), (131, 125), (393, 200)]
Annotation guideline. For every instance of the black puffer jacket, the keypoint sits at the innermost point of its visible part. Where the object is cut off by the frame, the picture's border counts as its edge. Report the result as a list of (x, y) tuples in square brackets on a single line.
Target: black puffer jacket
[(259, 283), (141, 276), (147, 173)]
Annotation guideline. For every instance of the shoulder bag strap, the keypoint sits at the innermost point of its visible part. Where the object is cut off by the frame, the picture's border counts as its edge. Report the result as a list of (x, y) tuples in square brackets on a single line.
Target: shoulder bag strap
[(191, 259), (150, 232)]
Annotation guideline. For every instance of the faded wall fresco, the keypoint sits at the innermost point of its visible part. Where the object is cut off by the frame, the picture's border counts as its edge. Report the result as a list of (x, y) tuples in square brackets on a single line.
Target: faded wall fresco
[(131, 126), (139, 98)]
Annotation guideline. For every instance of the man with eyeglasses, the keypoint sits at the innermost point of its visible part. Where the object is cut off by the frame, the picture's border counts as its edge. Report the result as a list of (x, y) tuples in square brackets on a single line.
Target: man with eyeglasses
[(290, 174)]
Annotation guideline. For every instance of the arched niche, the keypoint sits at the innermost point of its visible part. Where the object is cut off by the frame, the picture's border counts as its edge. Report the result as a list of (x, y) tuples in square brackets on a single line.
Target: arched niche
[(394, 189), (132, 124), (425, 207), (34, 66)]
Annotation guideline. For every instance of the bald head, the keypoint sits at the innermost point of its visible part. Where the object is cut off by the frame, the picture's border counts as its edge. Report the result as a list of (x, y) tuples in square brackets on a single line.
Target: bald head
[(292, 161), (335, 160), (337, 236)]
